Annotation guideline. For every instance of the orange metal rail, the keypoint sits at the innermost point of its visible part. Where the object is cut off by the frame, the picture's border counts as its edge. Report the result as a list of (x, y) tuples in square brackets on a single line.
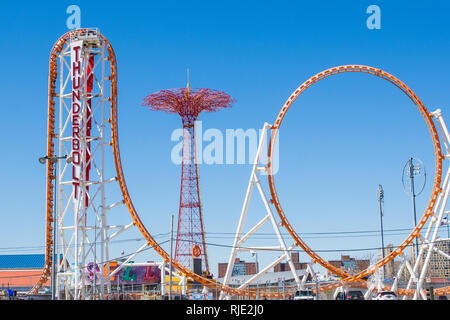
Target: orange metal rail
[(436, 186)]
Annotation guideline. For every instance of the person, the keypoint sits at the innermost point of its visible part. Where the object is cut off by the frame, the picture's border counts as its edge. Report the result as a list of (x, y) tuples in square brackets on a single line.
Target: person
[(10, 294)]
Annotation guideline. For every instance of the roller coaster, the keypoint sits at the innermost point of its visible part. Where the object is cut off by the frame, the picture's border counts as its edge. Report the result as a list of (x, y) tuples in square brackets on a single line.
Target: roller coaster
[(98, 109)]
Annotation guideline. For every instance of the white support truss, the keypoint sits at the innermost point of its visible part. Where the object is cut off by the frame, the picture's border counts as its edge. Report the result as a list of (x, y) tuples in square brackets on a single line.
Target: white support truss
[(431, 237), (417, 269), (83, 233), (240, 238)]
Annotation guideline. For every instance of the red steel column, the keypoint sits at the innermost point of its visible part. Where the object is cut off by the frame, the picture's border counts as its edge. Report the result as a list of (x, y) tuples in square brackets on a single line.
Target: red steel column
[(190, 229)]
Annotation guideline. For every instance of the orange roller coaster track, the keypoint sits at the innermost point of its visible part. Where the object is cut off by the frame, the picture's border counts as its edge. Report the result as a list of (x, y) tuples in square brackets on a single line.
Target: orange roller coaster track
[(51, 135), (437, 180)]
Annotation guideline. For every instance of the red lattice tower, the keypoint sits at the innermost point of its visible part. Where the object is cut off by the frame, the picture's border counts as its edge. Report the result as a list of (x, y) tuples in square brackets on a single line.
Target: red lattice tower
[(188, 103)]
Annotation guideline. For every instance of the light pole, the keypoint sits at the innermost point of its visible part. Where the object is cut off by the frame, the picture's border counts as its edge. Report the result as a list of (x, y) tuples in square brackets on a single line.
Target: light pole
[(317, 287), (412, 170), (170, 266), (380, 208), (255, 254), (54, 160)]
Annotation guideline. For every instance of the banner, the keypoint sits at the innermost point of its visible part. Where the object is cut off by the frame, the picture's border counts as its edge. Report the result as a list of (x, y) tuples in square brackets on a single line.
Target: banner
[(76, 74)]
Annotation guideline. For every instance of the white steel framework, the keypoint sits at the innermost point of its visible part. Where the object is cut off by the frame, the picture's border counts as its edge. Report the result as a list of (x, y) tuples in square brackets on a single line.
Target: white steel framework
[(417, 269), (241, 238), (418, 272), (83, 232)]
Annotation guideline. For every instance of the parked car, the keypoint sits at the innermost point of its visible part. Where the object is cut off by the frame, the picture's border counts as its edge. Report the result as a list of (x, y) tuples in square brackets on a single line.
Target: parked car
[(350, 295), (304, 295), (354, 295), (442, 298), (386, 295)]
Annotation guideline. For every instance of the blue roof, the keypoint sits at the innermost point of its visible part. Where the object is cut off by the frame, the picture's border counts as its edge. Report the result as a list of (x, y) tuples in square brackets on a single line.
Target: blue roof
[(22, 261)]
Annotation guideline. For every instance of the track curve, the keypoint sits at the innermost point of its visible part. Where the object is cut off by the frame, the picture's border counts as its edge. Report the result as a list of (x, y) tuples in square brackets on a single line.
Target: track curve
[(51, 135), (438, 172)]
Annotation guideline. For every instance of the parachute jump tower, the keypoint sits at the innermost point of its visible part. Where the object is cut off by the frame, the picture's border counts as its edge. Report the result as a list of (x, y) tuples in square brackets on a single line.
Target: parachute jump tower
[(188, 103)]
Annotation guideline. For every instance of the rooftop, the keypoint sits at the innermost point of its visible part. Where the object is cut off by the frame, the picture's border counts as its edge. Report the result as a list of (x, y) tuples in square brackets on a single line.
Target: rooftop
[(22, 261)]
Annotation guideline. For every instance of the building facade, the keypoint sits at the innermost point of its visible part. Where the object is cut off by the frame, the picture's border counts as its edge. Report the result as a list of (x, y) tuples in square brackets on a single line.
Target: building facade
[(21, 271), (241, 268), (350, 265), (439, 266), (284, 266)]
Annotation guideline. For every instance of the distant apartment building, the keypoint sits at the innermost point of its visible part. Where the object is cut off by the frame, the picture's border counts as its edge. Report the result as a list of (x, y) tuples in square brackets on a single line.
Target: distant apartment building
[(350, 265), (284, 266), (439, 265), (241, 268), (438, 268)]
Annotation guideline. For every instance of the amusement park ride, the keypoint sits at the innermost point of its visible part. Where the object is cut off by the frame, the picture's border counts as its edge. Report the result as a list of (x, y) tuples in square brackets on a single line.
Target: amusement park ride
[(83, 128), (188, 103)]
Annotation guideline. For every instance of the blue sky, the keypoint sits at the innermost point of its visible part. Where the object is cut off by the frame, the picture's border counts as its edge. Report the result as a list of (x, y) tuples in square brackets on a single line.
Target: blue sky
[(342, 138)]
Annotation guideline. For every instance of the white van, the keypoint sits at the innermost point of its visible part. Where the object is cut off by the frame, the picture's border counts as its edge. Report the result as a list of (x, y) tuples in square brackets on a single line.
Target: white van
[(304, 295)]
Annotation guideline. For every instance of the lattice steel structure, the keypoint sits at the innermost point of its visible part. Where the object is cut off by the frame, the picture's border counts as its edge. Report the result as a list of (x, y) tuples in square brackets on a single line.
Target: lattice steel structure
[(82, 193), (188, 103), (430, 221)]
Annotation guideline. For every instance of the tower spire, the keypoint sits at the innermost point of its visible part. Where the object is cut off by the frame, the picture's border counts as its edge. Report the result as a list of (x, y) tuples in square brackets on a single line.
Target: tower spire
[(188, 86)]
